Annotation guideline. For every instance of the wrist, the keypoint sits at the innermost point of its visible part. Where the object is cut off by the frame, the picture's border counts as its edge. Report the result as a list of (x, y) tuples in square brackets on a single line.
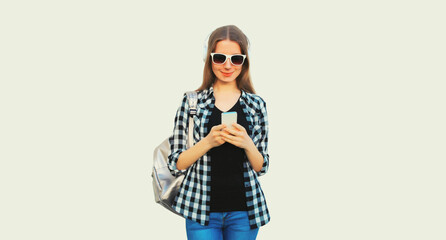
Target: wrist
[(207, 143), (251, 147)]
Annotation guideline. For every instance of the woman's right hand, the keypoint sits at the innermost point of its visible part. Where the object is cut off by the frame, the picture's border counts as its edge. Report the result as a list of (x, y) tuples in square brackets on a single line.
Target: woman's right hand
[(191, 155), (214, 138)]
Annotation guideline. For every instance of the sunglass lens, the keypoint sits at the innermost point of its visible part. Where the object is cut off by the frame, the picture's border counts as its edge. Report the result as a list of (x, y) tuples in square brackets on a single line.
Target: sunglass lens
[(219, 58), (237, 60)]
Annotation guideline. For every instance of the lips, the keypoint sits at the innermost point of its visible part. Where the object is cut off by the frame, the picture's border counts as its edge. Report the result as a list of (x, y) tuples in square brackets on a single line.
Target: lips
[(227, 74)]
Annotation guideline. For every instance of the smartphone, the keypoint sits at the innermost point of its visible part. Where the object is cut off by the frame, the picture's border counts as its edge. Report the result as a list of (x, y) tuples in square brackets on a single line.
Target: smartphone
[(228, 118)]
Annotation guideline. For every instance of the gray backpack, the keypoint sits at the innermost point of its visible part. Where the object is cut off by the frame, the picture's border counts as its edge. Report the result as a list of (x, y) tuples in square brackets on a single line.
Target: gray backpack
[(165, 184)]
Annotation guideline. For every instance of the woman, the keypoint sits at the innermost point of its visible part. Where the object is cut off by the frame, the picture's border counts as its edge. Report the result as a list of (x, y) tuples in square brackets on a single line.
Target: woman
[(220, 196)]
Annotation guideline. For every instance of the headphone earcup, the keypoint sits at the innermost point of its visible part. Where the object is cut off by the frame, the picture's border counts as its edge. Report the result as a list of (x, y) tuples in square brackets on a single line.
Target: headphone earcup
[(205, 47)]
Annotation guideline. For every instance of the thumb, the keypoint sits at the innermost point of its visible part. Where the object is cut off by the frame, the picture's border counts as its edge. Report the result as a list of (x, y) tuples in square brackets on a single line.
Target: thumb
[(220, 127)]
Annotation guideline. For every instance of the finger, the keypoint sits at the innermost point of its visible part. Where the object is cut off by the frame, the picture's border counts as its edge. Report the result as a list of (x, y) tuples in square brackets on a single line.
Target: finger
[(219, 127), (238, 126), (231, 131), (231, 141), (225, 137), (227, 140), (228, 137)]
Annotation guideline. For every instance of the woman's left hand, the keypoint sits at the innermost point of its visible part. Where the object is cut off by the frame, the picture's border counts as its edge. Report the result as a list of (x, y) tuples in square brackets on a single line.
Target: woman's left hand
[(237, 136)]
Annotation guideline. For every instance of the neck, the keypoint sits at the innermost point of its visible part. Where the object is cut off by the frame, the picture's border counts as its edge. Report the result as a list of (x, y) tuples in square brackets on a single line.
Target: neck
[(225, 87)]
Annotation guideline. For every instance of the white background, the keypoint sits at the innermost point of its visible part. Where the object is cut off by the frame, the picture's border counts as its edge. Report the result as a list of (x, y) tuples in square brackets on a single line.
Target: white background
[(355, 92)]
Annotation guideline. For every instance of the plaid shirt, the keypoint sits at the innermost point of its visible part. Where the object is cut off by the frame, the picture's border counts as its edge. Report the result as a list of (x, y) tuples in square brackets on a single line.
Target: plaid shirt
[(193, 198)]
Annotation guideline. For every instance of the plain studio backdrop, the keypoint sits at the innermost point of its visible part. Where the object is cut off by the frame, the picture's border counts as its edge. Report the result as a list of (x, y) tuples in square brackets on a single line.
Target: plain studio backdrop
[(355, 92)]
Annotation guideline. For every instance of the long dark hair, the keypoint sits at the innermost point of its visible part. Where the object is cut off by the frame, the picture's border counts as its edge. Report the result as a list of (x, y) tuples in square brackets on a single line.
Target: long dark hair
[(232, 33)]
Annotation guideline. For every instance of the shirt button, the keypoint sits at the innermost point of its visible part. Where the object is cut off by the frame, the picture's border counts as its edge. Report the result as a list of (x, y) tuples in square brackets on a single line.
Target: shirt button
[(246, 184)]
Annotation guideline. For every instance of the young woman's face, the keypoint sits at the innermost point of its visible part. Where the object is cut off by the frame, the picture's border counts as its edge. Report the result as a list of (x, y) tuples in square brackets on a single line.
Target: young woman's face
[(227, 72)]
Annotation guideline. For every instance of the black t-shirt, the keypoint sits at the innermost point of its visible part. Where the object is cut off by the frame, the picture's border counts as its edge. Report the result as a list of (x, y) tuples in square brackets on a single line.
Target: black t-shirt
[(227, 184)]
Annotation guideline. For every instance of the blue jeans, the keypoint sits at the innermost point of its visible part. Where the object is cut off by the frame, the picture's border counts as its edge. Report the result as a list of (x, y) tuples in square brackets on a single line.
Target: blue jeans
[(222, 225)]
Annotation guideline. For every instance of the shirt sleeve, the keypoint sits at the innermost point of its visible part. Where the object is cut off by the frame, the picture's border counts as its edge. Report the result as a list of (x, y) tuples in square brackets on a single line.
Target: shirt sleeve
[(178, 139), (262, 144)]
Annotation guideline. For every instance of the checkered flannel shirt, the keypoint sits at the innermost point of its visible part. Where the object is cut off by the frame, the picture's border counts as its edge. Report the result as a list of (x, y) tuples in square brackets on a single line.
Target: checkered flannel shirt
[(193, 198)]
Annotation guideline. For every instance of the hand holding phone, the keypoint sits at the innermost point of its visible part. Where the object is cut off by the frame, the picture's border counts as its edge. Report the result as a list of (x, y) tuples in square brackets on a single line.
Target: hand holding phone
[(228, 118)]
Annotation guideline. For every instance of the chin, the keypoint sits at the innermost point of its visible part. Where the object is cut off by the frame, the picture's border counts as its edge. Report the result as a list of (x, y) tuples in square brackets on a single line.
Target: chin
[(227, 79)]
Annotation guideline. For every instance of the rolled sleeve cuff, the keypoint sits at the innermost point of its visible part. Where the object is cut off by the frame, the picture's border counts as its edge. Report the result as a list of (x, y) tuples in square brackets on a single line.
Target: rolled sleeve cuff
[(172, 164), (265, 166)]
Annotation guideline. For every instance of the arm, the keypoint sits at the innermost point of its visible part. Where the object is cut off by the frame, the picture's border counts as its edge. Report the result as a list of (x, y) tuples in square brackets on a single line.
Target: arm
[(191, 155), (241, 139), (254, 157), (178, 139), (256, 149), (181, 158), (262, 138)]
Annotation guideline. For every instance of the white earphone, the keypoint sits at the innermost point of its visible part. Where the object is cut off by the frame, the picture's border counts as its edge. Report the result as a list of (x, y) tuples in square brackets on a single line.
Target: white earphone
[(205, 49)]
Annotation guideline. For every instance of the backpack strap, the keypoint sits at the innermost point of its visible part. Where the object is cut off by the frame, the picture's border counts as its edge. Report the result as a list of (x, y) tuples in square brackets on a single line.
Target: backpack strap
[(193, 99)]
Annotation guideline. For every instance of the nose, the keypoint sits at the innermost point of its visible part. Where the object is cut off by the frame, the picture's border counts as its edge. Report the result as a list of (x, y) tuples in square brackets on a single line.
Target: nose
[(228, 63)]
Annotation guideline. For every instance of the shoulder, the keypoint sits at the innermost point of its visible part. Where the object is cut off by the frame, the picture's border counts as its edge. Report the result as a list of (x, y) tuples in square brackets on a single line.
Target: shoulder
[(184, 99), (255, 100), (185, 95), (203, 94)]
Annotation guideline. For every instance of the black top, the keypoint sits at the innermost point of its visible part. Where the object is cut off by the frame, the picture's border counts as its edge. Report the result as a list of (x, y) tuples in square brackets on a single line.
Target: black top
[(227, 184)]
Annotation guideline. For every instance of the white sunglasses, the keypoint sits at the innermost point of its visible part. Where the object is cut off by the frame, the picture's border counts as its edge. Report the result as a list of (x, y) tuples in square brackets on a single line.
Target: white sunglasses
[(220, 58)]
